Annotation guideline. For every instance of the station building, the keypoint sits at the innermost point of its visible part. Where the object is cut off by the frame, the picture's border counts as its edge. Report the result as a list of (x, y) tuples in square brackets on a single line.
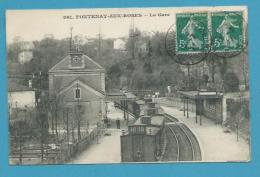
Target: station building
[(77, 81)]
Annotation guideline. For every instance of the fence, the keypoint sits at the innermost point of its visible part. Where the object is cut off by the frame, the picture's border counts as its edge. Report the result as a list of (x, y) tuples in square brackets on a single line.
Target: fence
[(55, 153)]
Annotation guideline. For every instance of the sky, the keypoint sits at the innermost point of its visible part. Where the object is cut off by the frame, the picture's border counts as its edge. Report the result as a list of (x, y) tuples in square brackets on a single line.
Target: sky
[(33, 25)]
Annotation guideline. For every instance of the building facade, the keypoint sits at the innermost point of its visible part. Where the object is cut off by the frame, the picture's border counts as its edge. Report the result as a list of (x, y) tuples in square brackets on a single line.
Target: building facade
[(77, 81), (20, 96), (119, 44), (26, 53)]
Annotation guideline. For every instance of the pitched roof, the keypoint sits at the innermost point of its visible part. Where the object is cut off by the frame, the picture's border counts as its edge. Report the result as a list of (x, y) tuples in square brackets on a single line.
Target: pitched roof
[(77, 81), (90, 64), (15, 87)]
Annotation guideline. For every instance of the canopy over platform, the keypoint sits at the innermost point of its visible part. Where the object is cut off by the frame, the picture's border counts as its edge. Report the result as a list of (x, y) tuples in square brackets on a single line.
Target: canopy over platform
[(201, 94), (207, 103)]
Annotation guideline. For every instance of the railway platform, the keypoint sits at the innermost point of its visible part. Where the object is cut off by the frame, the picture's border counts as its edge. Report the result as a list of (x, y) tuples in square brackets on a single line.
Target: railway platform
[(107, 148), (216, 145)]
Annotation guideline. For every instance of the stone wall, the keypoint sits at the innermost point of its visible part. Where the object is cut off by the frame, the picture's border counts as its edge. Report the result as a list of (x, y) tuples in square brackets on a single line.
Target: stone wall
[(212, 109)]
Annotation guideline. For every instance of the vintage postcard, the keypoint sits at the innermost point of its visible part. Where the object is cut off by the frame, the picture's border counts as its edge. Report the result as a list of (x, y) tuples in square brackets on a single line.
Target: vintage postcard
[(123, 85)]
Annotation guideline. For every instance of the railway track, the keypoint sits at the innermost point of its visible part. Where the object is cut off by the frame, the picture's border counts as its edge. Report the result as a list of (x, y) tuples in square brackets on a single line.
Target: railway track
[(182, 144), (170, 118), (195, 144), (172, 148)]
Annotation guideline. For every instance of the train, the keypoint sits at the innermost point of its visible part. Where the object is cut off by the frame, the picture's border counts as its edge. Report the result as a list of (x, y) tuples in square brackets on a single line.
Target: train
[(144, 140)]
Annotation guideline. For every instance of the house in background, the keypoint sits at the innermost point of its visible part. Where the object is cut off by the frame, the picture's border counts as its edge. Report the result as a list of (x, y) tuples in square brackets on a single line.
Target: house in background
[(141, 48), (20, 96), (77, 80), (25, 56), (119, 44), (26, 53)]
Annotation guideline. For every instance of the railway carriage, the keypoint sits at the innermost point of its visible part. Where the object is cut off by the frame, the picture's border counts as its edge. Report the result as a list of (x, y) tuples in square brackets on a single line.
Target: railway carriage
[(144, 140)]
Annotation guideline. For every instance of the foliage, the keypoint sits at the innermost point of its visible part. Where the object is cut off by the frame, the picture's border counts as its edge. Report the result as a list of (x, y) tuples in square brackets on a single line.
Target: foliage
[(144, 64), (231, 82), (28, 123), (148, 64)]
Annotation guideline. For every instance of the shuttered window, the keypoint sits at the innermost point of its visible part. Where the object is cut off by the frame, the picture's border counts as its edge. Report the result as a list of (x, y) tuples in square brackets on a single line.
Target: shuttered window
[(77, 93)]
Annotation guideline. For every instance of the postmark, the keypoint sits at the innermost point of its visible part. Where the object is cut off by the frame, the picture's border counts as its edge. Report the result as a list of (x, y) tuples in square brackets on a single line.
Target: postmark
[(182, 58)]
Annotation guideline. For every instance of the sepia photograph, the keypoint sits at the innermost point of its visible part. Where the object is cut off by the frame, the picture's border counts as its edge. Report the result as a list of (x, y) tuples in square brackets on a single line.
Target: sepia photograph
[(128, 85)]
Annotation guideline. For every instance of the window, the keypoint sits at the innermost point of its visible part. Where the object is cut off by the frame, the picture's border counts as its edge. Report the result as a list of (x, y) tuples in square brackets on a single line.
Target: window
[(77, 93), (76, 59)]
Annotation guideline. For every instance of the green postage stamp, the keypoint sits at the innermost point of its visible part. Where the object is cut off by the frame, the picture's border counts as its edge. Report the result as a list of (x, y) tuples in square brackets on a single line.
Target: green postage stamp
[(192, 32), (193, 35), (227, 31)]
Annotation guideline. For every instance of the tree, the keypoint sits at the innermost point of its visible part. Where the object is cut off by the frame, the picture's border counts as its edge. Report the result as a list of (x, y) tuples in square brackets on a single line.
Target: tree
[(113, 75), (42, 121), (134, 35), (205, 79), (148, 67), (43, 126), (79, 111), (19, 130), (114, 71), (231, 82)]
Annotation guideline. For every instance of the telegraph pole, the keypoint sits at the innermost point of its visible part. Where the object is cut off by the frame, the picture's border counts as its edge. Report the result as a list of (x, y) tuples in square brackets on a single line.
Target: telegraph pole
[(188, 77), (99, 43), (78, 115), (132, 36), (71, 28)]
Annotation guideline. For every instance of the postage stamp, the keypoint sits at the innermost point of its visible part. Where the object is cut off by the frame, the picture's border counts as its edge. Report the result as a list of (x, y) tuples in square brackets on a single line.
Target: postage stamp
[(227, 31), (192, 32)]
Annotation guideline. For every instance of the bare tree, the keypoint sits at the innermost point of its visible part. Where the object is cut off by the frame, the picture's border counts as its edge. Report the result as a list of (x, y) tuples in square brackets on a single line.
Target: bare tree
[(79, 111), (42, 120)]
